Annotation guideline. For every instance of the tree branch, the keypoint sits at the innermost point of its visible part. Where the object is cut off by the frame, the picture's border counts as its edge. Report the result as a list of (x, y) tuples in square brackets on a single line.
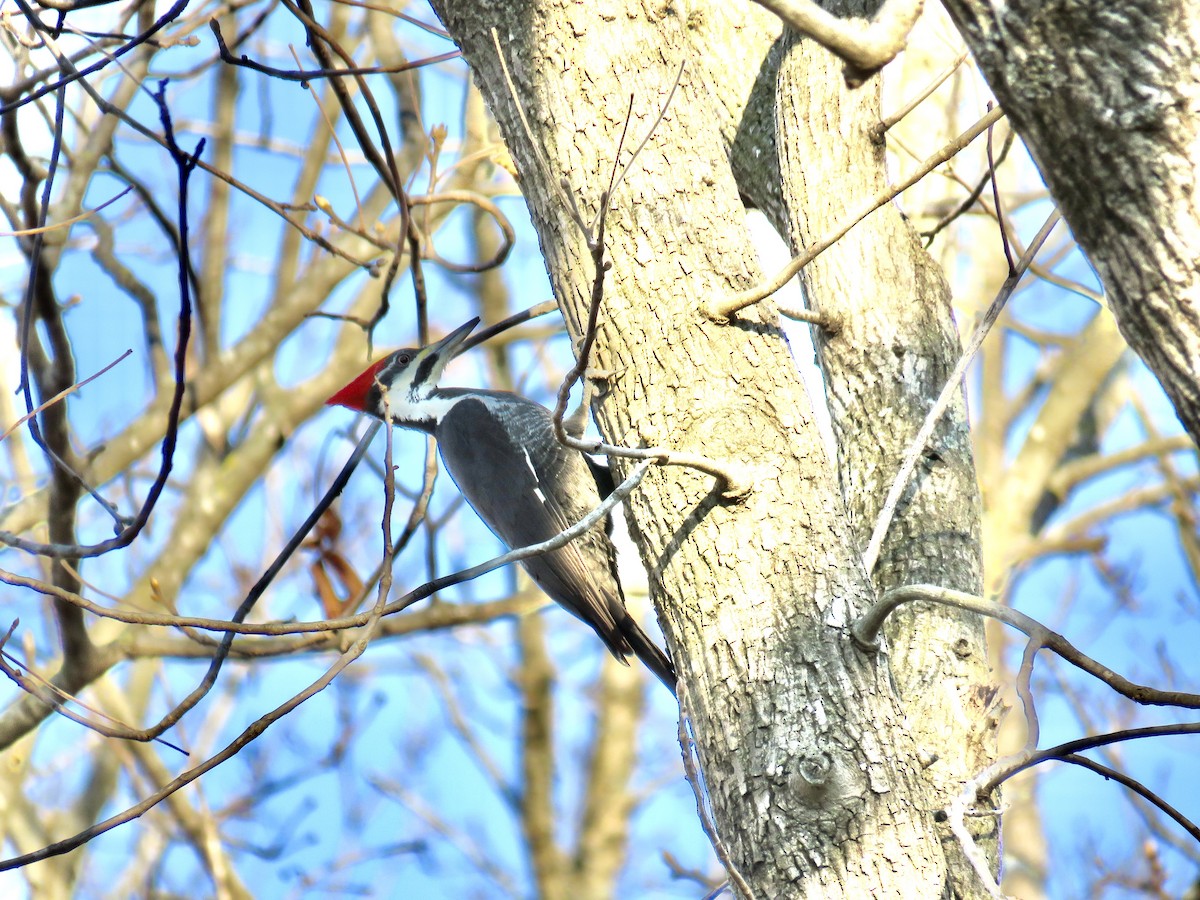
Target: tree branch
[(866, 47)]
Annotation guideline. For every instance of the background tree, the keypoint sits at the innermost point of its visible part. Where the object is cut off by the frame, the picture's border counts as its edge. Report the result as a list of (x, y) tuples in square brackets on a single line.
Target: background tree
[(310, 227)]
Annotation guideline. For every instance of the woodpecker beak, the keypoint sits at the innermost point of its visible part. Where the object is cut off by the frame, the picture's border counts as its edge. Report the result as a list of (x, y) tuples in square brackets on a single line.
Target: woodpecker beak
[(354, 395), (445, 348)]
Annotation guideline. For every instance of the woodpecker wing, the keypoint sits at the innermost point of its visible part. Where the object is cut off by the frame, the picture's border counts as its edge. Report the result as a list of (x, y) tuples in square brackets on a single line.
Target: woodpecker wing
[(528, 488)]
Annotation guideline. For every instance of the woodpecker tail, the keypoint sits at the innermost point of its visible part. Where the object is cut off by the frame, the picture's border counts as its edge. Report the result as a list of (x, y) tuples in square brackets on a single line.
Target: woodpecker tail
[(648, 652)]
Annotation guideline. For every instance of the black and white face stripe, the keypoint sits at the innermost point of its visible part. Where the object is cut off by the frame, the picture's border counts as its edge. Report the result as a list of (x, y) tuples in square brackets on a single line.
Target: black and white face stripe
[(403, 387), (389, 378), (416, 372), (425, 378), (410, 380)]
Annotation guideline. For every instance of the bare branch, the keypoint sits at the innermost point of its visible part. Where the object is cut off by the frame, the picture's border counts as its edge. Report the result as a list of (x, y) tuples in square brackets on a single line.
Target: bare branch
[(719, 311), (65, 223), (865, 47), (315, 74), (865, 633), (62, 394), (696, 781), (163, 21)]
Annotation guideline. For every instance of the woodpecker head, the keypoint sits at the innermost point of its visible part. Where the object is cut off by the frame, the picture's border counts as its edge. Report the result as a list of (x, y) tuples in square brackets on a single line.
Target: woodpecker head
[(409, 380)]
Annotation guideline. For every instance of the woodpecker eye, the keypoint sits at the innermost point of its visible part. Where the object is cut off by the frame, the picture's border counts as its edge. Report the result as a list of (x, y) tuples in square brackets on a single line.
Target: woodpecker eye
[(404, 359)]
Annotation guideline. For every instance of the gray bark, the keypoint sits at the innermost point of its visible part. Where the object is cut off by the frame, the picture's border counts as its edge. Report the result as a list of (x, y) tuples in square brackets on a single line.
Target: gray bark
[(812, 772), (885, 364)]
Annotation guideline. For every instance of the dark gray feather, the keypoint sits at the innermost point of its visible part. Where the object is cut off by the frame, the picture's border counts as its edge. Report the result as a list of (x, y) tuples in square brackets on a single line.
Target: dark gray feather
[(507, 444)]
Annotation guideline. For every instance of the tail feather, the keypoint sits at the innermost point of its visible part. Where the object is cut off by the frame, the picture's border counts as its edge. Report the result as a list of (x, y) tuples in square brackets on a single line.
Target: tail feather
[(655, 659)]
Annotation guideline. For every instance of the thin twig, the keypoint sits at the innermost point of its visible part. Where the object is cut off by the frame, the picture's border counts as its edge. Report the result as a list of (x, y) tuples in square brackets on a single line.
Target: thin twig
[(973, 195), (865, 634), (720, 311), (333, 135), (540, 309), (254, 731), (382, 159), (61, 394), (1006, 768), (616, 182), (303, 76), (922, 95), (162, 22), (1025, 692), (1008, 257), (56, 698), (237, 625), (1138, 788), (734, 479), (688, 748), (185, 164), (65, 223), (587, 523), (247, 605), (956, 818)]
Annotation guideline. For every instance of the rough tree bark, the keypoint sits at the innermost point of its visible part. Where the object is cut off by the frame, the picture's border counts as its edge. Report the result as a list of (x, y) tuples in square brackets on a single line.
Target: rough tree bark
[(1107, 98), (885, 363), (816, 784)]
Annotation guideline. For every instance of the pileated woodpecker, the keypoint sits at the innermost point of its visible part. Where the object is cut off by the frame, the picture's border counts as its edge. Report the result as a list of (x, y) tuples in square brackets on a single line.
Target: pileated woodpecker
[(502, 452)]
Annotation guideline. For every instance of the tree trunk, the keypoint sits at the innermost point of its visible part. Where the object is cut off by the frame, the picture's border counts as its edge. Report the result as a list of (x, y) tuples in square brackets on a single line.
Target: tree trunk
[(1107, 98), (885, 364), (812, 773)]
